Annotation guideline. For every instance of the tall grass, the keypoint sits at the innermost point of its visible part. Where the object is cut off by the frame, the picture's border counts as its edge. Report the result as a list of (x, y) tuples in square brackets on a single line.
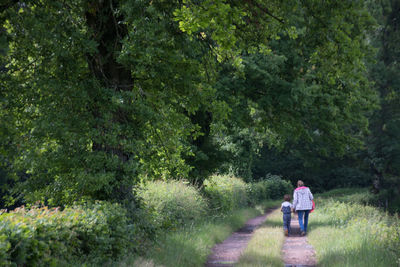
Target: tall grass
[(345, 233), (225, 193), (342, 192), (264, 249), (173, 203), (351, 195), (172, 223), (191, 245)]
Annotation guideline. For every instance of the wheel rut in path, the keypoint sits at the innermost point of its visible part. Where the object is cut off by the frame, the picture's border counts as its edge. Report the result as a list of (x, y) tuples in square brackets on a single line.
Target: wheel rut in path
[(296, 250), (228, 252)]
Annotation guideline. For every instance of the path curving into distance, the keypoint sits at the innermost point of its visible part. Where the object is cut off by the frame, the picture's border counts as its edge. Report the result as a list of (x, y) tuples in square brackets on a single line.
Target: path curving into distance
[(227, 253)]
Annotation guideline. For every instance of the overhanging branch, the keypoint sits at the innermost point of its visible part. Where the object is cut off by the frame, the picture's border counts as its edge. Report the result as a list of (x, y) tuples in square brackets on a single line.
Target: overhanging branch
[(265, 10)]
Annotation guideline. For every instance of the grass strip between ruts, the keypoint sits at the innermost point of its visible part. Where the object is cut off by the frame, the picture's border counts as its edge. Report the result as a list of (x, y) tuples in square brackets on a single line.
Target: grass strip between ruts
[(264, 249), (191, 245)]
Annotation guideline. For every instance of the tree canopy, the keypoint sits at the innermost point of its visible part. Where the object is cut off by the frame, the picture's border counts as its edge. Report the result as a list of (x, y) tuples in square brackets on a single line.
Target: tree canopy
[(97, 96)]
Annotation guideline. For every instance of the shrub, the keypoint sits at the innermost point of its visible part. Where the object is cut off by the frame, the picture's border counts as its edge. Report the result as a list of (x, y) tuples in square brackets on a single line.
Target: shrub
[(172, 203), (256, 192), (225, 193), (276, 187), (42, 236), (272, 187)]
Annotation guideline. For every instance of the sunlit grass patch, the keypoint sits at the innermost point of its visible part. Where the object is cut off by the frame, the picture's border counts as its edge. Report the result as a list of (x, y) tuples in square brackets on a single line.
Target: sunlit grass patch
[(349, 195), (138, 262), (264, 249), (339, 192), (191, 245), (351, 234), (348, 247)]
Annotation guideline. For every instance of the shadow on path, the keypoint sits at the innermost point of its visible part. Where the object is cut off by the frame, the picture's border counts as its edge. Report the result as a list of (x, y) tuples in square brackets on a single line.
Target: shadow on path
[(228, 252)]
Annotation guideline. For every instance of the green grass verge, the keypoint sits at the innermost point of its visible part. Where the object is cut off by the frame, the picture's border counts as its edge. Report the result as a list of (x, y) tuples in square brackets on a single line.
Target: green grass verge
[(345, 233), (341, 192), (342, 231), (191, 245), (350, 195), (264, 249)]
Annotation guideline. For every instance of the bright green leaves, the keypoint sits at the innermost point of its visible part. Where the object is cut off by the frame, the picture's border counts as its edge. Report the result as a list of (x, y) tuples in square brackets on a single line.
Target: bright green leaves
[(217, 18), (232, 27), (172, 75), (161, 151), (325, 46), (102, 94), (62, 115)]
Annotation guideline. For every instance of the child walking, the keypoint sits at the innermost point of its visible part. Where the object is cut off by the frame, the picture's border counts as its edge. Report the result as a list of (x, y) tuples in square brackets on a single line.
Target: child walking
[(286, 208)]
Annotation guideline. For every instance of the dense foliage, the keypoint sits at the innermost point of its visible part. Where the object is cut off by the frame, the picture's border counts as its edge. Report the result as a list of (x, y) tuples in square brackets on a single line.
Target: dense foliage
[(100, 100), (47, 237), (225, 193), (376, 163), (383, 142), (97, 96), (102, 232), (320, 172), (172, 203), (272, 187)]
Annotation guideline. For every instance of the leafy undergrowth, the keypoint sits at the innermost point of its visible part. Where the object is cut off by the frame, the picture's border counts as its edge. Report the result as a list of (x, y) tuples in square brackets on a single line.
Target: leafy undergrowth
[(264, 249), (191, 245), (346, 233), (49, 237), (171, 204), (171, 223)]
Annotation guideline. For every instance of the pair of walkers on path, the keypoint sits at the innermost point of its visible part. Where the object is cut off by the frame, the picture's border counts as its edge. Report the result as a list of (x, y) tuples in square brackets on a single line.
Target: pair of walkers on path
[(302, 204)]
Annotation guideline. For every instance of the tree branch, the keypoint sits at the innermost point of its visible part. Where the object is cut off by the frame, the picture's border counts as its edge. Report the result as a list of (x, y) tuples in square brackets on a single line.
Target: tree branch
[(265, 10), (7, 5)]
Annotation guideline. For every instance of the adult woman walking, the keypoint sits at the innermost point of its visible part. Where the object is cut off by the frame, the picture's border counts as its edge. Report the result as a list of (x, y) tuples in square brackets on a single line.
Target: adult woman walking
[(302, 203)]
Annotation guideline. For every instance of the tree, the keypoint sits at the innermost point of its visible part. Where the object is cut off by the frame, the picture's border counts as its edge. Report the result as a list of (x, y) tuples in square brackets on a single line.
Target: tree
[(99, 95), (383, 143), (98, 92)]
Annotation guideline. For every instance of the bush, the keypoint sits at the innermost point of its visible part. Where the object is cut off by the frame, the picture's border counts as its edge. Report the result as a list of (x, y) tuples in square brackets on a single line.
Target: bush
[(225, 193), (42, 236), (172, 203), (273, 187), (256, 192)]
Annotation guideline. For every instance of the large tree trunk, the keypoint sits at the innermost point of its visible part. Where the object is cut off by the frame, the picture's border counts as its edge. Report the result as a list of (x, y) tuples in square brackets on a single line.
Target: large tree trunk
[(108, 34)]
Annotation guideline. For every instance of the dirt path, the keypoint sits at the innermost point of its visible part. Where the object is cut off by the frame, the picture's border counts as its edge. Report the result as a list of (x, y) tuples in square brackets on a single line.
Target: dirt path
[(227, 253), (296, 251)]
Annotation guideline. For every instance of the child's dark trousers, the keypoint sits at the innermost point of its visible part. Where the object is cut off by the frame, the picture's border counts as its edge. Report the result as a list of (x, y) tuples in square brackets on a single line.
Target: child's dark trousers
[(286, 221)]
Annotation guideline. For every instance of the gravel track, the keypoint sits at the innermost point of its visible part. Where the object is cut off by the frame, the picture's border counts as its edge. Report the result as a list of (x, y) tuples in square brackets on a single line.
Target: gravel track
[(296, 250), (228, 252)]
